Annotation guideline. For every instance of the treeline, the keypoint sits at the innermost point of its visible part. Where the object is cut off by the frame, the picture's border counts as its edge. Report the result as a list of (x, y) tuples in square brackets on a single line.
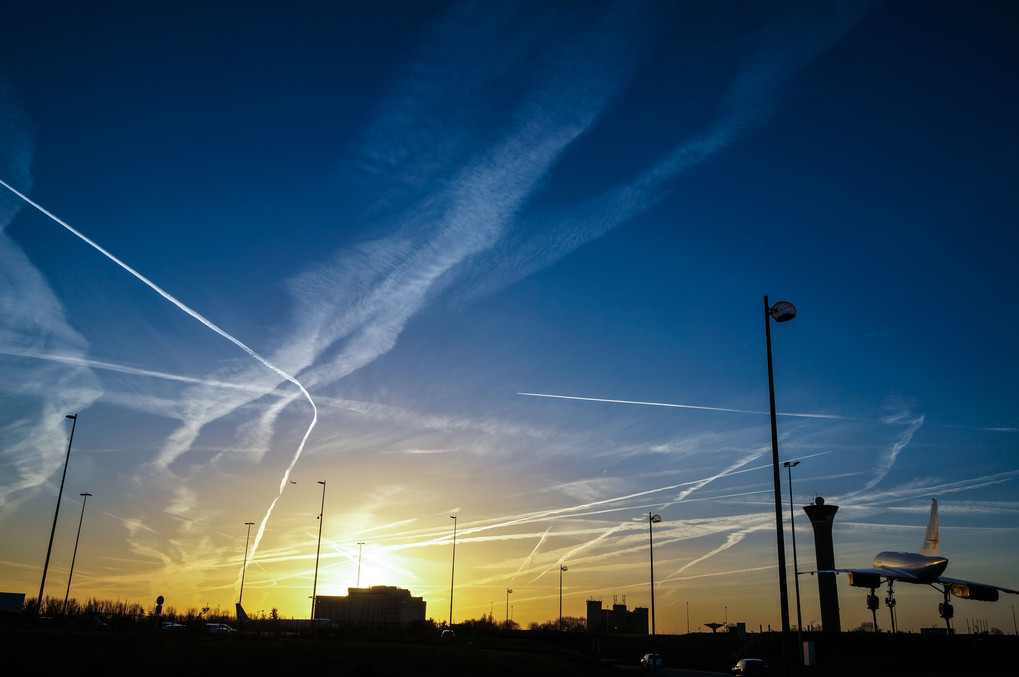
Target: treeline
[(108, 610), (489, 624), (120, 611)]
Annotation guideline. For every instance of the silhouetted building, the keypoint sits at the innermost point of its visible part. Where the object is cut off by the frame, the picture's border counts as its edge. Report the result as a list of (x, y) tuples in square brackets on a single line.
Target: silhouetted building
[(616, 619), (377, 607), (822, 517)]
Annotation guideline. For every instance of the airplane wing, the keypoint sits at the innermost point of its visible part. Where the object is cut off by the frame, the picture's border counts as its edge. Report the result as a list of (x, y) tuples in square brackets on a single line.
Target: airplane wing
[(971, 590), (869, 578)]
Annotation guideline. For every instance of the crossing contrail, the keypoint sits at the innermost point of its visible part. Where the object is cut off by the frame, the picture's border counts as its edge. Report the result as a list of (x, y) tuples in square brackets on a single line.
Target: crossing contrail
[(689, 406), (196, 315)]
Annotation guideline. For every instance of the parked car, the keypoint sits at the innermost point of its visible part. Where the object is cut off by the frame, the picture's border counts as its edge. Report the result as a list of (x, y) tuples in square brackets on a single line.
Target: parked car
[(750, 667), (651, 660), (218, 627), (167, 625)]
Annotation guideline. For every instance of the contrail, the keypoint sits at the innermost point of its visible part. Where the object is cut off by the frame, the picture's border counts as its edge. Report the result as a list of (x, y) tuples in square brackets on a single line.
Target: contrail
[(122, 369), (689, 406), (193, 313), (530, 557)]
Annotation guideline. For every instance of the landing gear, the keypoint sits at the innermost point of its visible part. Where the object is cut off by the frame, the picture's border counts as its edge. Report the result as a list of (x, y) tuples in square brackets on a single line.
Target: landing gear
[(890, 601), (873, 603), (945, 609)]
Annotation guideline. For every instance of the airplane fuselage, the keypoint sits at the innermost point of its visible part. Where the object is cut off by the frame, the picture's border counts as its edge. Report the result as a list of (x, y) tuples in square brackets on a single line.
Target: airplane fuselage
[(911, 566)]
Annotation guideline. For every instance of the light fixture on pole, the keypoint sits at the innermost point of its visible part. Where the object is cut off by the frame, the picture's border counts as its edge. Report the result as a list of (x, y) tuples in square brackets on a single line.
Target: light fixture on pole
[(75, 555), (652, 519), (783, 311), (359, 546), (452, 573), (60, 493), (508, 591), (562, 568), (244, 568), (796, 567), (318, 549)]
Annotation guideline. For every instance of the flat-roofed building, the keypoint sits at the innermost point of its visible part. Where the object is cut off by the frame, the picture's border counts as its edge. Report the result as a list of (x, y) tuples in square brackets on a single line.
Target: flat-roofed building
[(616, 619), (377, 607)]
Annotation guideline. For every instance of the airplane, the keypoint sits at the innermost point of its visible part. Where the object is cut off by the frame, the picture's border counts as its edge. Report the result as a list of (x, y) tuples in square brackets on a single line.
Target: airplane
[(923, 568)]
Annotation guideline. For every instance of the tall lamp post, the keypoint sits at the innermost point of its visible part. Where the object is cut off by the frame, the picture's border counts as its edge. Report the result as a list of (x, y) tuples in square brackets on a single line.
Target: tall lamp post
[(562, 568), (75, 555), (452, 573), (783, 311), (796, 567), (508, 591), (652, 519), (49, 548), (359, 546), (318, 549), (244, 568)]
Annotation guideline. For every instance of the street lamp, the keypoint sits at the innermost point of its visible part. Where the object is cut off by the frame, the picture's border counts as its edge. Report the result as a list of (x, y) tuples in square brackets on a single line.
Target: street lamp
[(452, 572), (75, 555), (796, 567), (783, 311), (508, 591), (652, 519), (49, 549), (318, 549), (359, 546), (562, 568), (244, 569)]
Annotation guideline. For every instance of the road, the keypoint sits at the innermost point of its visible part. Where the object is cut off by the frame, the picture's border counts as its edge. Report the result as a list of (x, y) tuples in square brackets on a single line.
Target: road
[(671, 672)]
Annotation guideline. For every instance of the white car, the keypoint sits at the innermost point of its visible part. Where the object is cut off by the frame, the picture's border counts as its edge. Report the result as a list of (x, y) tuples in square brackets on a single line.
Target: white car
[(218, 627), (750, 667), (651, 660)]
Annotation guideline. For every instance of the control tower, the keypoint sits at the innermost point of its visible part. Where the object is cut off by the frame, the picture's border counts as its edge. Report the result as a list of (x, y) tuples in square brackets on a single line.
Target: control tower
[(821, 518)]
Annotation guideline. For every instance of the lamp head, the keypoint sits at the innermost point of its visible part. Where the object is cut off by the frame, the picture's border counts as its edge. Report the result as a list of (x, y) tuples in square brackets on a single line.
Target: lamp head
[(562, 568), (793, 464), (73, 417), (655, 519), (783, 311)]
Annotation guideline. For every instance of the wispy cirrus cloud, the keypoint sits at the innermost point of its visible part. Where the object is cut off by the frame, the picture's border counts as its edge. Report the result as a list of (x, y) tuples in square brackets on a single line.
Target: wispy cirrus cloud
[(779, 51)]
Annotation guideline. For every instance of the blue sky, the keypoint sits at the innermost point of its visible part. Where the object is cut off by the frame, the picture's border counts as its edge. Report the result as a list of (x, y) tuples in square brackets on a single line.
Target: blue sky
[(416, 211)]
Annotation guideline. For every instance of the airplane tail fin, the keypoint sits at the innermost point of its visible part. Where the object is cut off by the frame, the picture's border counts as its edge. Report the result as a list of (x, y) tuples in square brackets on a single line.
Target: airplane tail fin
[(241, 616), (930, 539)]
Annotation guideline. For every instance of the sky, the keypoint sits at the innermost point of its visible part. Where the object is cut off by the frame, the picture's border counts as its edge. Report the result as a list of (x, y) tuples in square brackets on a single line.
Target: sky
[(258, 249)]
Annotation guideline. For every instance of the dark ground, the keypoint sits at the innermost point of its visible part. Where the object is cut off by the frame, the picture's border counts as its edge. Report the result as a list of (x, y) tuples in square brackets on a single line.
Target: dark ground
[(65, 648)]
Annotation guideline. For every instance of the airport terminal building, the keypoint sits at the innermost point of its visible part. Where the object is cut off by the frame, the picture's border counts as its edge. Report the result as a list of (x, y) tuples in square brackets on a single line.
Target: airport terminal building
[(378, 607)]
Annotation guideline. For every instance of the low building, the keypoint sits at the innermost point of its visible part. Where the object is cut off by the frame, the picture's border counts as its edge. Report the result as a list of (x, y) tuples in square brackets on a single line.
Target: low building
[(377, 607), (616, 619)]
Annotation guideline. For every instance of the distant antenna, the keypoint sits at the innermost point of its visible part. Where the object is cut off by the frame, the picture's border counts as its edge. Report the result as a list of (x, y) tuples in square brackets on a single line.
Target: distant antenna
[(624, 600), (615, 599)]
